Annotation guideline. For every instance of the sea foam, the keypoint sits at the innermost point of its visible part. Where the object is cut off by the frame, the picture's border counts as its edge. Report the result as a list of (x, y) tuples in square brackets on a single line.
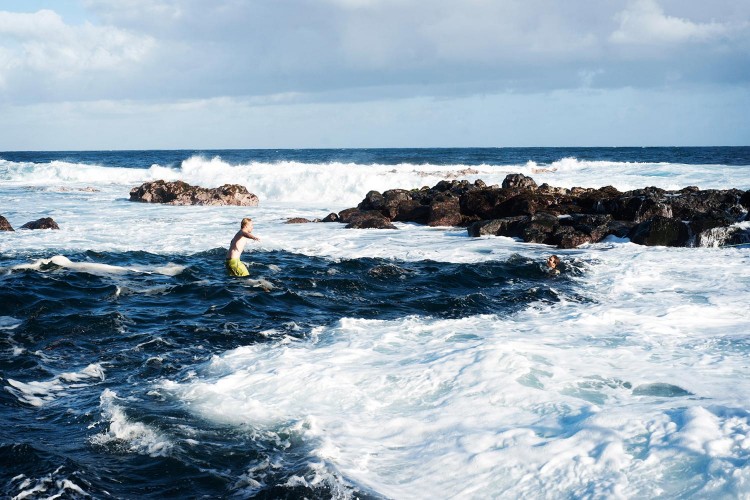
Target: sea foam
[(347, 183), (626, 394), (39, 393), (124, 433)]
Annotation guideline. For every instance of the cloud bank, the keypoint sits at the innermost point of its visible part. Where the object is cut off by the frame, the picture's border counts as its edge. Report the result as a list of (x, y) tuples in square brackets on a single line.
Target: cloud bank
[(199, 49), (170, 54)]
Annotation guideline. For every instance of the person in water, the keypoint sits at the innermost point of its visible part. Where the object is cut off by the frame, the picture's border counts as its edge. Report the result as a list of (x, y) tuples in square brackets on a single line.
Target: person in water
[(552, 262), (235, 267)]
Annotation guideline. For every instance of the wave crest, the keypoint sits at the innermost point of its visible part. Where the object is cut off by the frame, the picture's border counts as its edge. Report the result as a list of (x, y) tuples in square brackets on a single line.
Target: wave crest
[(341, 183)]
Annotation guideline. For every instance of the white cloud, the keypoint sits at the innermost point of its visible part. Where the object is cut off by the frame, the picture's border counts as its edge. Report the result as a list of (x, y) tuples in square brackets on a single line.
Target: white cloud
[(357, 50), (43, 43), (622, 117), (126, 12), (644, 22)]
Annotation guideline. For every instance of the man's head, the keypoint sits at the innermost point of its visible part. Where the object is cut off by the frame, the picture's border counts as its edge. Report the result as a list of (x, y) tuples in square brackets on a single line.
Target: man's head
[(553, 261), (247, 224)]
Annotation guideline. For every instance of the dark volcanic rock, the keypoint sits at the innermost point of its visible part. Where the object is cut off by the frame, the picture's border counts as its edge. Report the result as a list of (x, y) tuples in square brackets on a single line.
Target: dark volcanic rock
[(43, 223), (412, 211), (745, 200), (719, 204), (373, 201), (508, 226), (355, 218), (332, 217), (4, 224), (182, 193), (346, 216), (392, 200), (445, 212), (483, 202), (595, 200), (370, 220), (661, 231), (559, 216), (620, 228), (518, 181), (596, 227), (371, 223), (525, 203), (705, 222), (297, 220), (639, 205), (540, 228), (568, 237), (738, 237)]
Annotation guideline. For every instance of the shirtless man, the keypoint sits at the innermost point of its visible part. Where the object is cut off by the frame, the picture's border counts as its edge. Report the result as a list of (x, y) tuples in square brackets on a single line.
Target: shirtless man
[(234, 266)]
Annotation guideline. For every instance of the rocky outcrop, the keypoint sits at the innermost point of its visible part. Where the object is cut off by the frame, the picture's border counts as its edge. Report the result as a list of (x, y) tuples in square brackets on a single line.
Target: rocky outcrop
[(4, 224), (43, 223), (332, 217), (559, 216), (299, 220), (354, 218), (182, 193)]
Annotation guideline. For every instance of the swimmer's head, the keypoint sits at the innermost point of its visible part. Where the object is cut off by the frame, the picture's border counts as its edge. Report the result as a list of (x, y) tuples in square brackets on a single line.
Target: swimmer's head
[(553, 261), (246, 224)]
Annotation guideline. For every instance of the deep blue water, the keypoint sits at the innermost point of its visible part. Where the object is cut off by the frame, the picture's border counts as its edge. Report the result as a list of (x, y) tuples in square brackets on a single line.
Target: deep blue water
[(436, 156), (143, 327)]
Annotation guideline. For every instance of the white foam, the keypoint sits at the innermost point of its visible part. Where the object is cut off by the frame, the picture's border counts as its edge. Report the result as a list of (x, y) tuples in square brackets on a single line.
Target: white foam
[(66, 173), (538, 404), (347, 183), (134, 437), (39, 393), (52, 485), (9, 323), (106, 221), (171, 269)]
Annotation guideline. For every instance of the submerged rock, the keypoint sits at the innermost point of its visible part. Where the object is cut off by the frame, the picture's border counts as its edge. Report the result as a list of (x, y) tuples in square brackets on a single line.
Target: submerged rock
[(182, 193), (661, 390), (43, 223), (4, 224)]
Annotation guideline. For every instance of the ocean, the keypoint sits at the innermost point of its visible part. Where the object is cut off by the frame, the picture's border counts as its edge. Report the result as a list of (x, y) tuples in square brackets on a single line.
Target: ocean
[(407, 363)]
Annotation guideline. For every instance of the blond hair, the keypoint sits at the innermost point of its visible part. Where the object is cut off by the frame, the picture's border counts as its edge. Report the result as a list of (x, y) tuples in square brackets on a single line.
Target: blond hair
[(245, 222)]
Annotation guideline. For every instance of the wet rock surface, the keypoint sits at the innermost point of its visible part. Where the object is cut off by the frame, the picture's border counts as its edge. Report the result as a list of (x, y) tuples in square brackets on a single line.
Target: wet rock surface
[(4, 224), (559, 216), (43, 223), (182, 193)]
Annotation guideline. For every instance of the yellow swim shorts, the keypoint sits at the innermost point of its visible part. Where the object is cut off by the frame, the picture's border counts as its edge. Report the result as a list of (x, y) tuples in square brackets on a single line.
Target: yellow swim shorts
[(236, 268)]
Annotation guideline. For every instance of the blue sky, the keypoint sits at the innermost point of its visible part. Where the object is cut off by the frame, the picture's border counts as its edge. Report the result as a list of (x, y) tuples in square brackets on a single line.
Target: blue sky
[(96, 74)]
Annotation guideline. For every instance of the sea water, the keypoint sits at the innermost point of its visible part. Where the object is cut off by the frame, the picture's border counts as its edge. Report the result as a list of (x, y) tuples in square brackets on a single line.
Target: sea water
[(407, 363)]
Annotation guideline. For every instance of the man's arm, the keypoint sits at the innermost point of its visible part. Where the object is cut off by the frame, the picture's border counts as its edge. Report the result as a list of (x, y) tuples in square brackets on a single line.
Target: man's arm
[(250, 235)]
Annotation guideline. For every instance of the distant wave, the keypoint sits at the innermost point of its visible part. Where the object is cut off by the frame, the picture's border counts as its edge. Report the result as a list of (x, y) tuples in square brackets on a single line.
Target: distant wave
[(347, 183)]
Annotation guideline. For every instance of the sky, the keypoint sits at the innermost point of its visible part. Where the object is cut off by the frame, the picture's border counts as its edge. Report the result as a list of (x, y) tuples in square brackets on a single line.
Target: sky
[(213, 74)]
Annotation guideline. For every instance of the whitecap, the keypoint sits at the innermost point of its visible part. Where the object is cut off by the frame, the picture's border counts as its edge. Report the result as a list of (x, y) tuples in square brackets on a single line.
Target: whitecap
[(39, 393), (96, 268), (123, 432), (9, 323)]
